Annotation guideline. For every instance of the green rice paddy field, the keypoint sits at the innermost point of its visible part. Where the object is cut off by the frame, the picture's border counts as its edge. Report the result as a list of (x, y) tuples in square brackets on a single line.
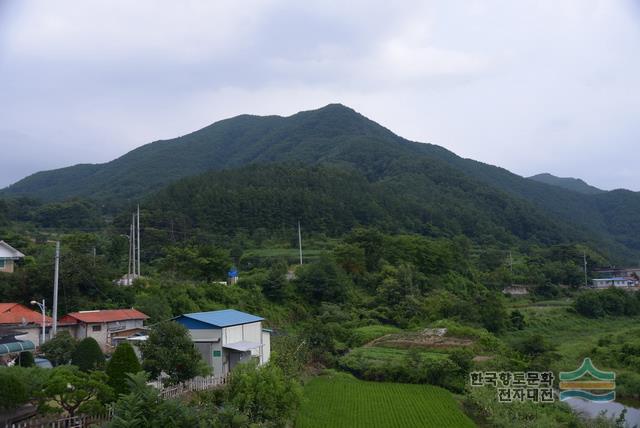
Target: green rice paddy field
[(340, 400)]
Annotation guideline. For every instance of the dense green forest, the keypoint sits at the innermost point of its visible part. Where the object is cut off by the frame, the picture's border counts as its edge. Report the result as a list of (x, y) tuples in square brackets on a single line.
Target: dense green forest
[(435, 181)]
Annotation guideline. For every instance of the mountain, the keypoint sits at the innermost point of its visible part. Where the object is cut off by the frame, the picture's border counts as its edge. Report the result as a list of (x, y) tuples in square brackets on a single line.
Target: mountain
[(574, 184), (429, 180)]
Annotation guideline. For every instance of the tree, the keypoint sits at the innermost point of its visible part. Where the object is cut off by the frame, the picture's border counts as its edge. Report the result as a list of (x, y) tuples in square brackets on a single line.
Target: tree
[(60, 349), (264, 394), (123, 361), (13, 392), (517, 320), (88, 355), (143, 408), (169, 349), (273, 286), (26, 359), (322, 281), (74, 390)]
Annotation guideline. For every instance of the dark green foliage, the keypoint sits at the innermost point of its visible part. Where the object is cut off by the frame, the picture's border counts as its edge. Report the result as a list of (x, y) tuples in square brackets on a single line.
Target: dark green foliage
[(517, 320), (60, 349), (142, 407), (323, 281), (202, 262), (170, 349), (611, 301), (274, 284), (264, 394), (26, 359), (123, 362), (88, 355), (13, 391)]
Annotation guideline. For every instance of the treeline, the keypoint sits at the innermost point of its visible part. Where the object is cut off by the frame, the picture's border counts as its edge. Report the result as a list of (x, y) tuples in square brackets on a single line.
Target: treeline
[(414, 196)]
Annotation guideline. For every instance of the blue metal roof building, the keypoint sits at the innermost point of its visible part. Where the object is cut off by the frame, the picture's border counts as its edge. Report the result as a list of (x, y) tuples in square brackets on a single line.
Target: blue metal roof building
[(216, 319), (227, 338)]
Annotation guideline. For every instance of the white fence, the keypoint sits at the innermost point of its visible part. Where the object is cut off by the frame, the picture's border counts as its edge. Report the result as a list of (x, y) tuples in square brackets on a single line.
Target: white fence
[(192, 385), (83, 421)]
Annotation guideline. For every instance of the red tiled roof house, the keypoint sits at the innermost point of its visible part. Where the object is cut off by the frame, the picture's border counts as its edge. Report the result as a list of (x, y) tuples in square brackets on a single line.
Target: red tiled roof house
[(104, 325), (23, 318)]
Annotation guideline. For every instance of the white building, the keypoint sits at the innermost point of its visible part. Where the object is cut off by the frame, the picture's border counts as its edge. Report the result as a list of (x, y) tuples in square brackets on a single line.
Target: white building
[(614, 282), (8, 256), (228, 337)]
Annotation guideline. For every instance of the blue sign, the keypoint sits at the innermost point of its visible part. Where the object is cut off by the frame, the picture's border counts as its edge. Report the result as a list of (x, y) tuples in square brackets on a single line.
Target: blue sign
[(233, 273)]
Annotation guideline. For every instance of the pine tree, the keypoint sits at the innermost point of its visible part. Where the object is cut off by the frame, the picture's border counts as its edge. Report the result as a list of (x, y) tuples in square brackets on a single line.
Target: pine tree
[(123, 361), (26, 359), (88, 355)]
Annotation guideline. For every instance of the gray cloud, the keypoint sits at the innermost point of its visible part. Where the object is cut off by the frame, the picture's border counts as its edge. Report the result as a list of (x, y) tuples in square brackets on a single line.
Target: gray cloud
[(533, 86)]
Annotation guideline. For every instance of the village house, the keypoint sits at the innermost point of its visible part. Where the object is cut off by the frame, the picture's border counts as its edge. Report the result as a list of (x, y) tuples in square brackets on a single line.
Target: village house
[(615, 282), (28, 321), (107, 326), (228, 337), (8, 257)]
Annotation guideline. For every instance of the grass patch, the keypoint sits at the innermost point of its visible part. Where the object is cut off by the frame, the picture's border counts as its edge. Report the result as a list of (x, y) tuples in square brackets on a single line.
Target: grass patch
[(366, 334), (339, 400)]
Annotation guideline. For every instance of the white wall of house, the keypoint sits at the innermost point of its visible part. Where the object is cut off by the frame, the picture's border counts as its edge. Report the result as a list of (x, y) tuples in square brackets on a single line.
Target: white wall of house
[(211, 342), (6, 265), (101, 332)]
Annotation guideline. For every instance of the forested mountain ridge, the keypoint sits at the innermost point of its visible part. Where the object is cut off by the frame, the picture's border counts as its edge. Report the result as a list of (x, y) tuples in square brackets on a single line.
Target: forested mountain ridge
[(575, 184), (430, 181)]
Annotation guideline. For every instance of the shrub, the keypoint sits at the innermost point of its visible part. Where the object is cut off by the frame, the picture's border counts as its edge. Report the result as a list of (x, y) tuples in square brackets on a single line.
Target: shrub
[(60, 349), (122, 362), (88, 355)]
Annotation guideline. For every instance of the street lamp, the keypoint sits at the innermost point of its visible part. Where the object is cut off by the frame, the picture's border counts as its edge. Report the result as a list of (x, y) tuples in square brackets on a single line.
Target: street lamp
[(42, 307)]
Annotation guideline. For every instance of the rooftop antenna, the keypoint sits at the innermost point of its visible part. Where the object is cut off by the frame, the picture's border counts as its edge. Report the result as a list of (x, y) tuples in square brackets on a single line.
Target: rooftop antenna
[(300, 241)]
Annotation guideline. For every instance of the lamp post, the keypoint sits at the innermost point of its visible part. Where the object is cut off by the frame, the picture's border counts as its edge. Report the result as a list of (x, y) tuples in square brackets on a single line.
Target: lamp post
[(42, 307)]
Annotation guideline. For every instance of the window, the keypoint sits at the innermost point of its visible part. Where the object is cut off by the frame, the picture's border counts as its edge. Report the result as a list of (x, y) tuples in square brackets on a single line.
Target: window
[(2, 263), (96, 327)]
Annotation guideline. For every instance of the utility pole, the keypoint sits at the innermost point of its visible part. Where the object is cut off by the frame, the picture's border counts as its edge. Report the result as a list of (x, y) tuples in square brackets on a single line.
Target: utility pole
[(585, 270), (130, 254), (300, 241), (54, 327), (138, 240), (133, 243)]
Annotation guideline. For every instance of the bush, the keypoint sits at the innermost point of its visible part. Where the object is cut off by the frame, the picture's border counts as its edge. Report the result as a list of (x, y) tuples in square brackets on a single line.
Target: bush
[(60, 349), (264, 394), (122, 362), (88, 355)]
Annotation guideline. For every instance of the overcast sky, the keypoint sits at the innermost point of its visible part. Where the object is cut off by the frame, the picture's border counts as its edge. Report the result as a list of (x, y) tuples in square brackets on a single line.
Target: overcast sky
[(532, 86)]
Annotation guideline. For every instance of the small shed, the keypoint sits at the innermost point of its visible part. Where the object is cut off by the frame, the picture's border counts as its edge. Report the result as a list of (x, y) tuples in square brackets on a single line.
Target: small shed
[(228, 337)]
